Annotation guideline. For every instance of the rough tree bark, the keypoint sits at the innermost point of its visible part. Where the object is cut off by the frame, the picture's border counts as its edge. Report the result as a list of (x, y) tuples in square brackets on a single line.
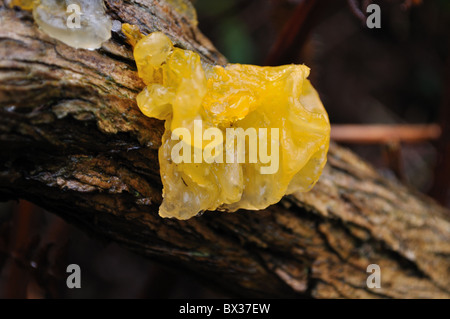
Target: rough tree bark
[(73, 141)]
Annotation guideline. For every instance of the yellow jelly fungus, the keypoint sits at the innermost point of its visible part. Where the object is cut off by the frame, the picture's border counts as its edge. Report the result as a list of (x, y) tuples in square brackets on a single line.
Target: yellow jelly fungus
[(23, 4), (285, 128)]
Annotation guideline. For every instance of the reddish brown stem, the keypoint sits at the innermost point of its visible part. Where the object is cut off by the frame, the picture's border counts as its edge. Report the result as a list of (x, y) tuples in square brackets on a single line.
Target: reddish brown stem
[(382, 134)]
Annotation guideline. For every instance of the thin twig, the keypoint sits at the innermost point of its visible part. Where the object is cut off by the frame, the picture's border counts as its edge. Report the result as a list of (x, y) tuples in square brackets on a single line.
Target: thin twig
[(381, 134)]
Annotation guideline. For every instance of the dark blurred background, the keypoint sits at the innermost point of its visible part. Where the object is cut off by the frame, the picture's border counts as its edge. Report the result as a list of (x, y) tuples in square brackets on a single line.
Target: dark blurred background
[(398, 74)]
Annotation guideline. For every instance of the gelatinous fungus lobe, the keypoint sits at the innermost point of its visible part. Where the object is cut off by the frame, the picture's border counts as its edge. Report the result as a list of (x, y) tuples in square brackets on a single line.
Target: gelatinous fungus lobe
[(236, 136), (82, 24)]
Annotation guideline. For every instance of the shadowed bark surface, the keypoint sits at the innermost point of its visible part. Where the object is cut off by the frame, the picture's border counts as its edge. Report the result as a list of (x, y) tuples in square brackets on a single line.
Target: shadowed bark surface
[(74, 141)]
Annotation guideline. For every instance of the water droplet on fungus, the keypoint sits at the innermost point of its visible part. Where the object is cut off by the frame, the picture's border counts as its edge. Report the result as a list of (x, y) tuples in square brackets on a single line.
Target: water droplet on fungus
[(116, 26), (276, 105)]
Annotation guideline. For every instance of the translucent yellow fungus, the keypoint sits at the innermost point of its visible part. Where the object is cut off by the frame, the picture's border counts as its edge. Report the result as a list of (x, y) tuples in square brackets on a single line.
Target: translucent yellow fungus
[(23, 4), (276, 108), (81, 24)]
